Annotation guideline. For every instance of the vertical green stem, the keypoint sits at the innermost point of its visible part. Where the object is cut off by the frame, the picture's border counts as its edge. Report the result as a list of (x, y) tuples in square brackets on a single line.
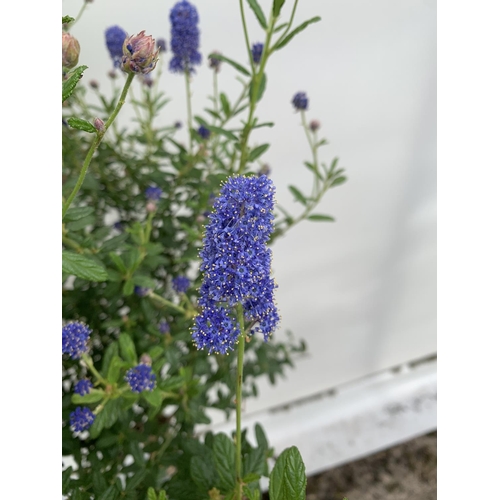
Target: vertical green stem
[(95, 144), (189, 112), (239, 387), (312, 145)]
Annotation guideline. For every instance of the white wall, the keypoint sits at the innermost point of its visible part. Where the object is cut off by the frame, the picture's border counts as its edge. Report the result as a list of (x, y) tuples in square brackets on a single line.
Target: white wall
[(361, 291)]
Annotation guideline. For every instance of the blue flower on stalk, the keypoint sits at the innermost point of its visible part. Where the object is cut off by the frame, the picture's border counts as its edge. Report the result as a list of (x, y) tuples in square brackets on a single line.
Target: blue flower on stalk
[(300, 101), (203, 132), (83, 387), (163, 326), (75, 336), (140, 378), (81, 419), (236, 264), (153, 193), (181, 284), (115, 37), (257, 49), (185, 37)]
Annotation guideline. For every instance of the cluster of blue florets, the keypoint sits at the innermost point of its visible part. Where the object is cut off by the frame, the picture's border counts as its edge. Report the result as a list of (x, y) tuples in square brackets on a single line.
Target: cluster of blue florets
[(257, 49), (115, 36), (153, 193), (83, 387), (81, 419), (236, 264), (141, 291), (181, 283), (203, 132), (140, 378), (185, 37), (300, 101), (161, 44), (75, 336)]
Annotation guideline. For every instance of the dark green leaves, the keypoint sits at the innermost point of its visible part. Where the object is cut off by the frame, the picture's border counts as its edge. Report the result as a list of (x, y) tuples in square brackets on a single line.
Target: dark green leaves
[(225, 457), (67, 19), (288, 478), (319, 217), (298, 195), (234, 64), (225, 105), (258, 13), (127, 348), (94, 396), (296, 31), (258, 151), (83, 267), (70, 84), (82, 125), (203, 473), (77, 213), (277, 4)]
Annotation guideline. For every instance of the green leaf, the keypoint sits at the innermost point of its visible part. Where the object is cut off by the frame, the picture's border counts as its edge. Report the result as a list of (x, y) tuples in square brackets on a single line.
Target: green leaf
[(277, 4), (118, 262), (67, 19), (234, 64), (261, 437), (225, 457), (319, 217), (128, 288), (225, 105), (153, 397), (110, 494), (134, 481), (249, 478), (296, 31), (298, 195), (81, 223), (338, 180), (80, 124), (258, 13), (113, 243), (258, 151), (162, 495), (266, 124), (127, 348), (260, 90), (66, 479), (311, 167), (70, 84), (202, 473), (333, 165), (288, 478), (83, 267), (114, 369), (77, 213), (151, 494), (94, 396), (254, 462)]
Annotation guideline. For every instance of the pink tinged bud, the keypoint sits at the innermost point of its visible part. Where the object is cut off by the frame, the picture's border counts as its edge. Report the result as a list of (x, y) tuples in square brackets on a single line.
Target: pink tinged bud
[(139, 54), (314, 125), (150, 206), (112, 74), (94, 84), (99, 125), (70, 50)]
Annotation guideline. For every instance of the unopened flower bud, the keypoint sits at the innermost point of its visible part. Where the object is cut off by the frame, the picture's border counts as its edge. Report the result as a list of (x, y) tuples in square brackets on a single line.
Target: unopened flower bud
[(150, 206), (146, 359), (265, 169), (70, 50), (214, 63), (94, 84), (99, 125), (161, 44), (314, 125), (139, 54), (112, 74)]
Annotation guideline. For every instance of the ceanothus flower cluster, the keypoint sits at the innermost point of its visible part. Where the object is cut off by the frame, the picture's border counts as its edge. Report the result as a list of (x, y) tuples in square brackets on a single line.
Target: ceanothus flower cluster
[(236, 265), (185, 37), (75, 336), (115, 36), (140, 378), (81, 419)]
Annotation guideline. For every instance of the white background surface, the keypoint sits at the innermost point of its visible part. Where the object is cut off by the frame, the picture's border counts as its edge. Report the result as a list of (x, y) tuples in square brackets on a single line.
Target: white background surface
[(361, 291)]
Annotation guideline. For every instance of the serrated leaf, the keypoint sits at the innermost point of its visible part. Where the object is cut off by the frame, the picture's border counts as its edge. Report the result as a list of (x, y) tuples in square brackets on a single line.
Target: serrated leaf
[(261, 437), (254, 462), (151, 494), (110, 494), (113, 243), (298, 195), (232, 63), (202, 473), (225, 456), (81, 223), (94, 396), (134, 481), (83, 267), (288, 479), (249, 478), (77, 213), (320, 217), (257, 152), (67, 19), (254, 5), (225, 105), (70, 84), (114, 369), (296, 31), (127, 348), (118, 262), (277, 4), (80, 124)]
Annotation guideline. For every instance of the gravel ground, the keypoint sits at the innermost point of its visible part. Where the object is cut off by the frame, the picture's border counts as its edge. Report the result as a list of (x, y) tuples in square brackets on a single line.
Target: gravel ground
[(404, 472)]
